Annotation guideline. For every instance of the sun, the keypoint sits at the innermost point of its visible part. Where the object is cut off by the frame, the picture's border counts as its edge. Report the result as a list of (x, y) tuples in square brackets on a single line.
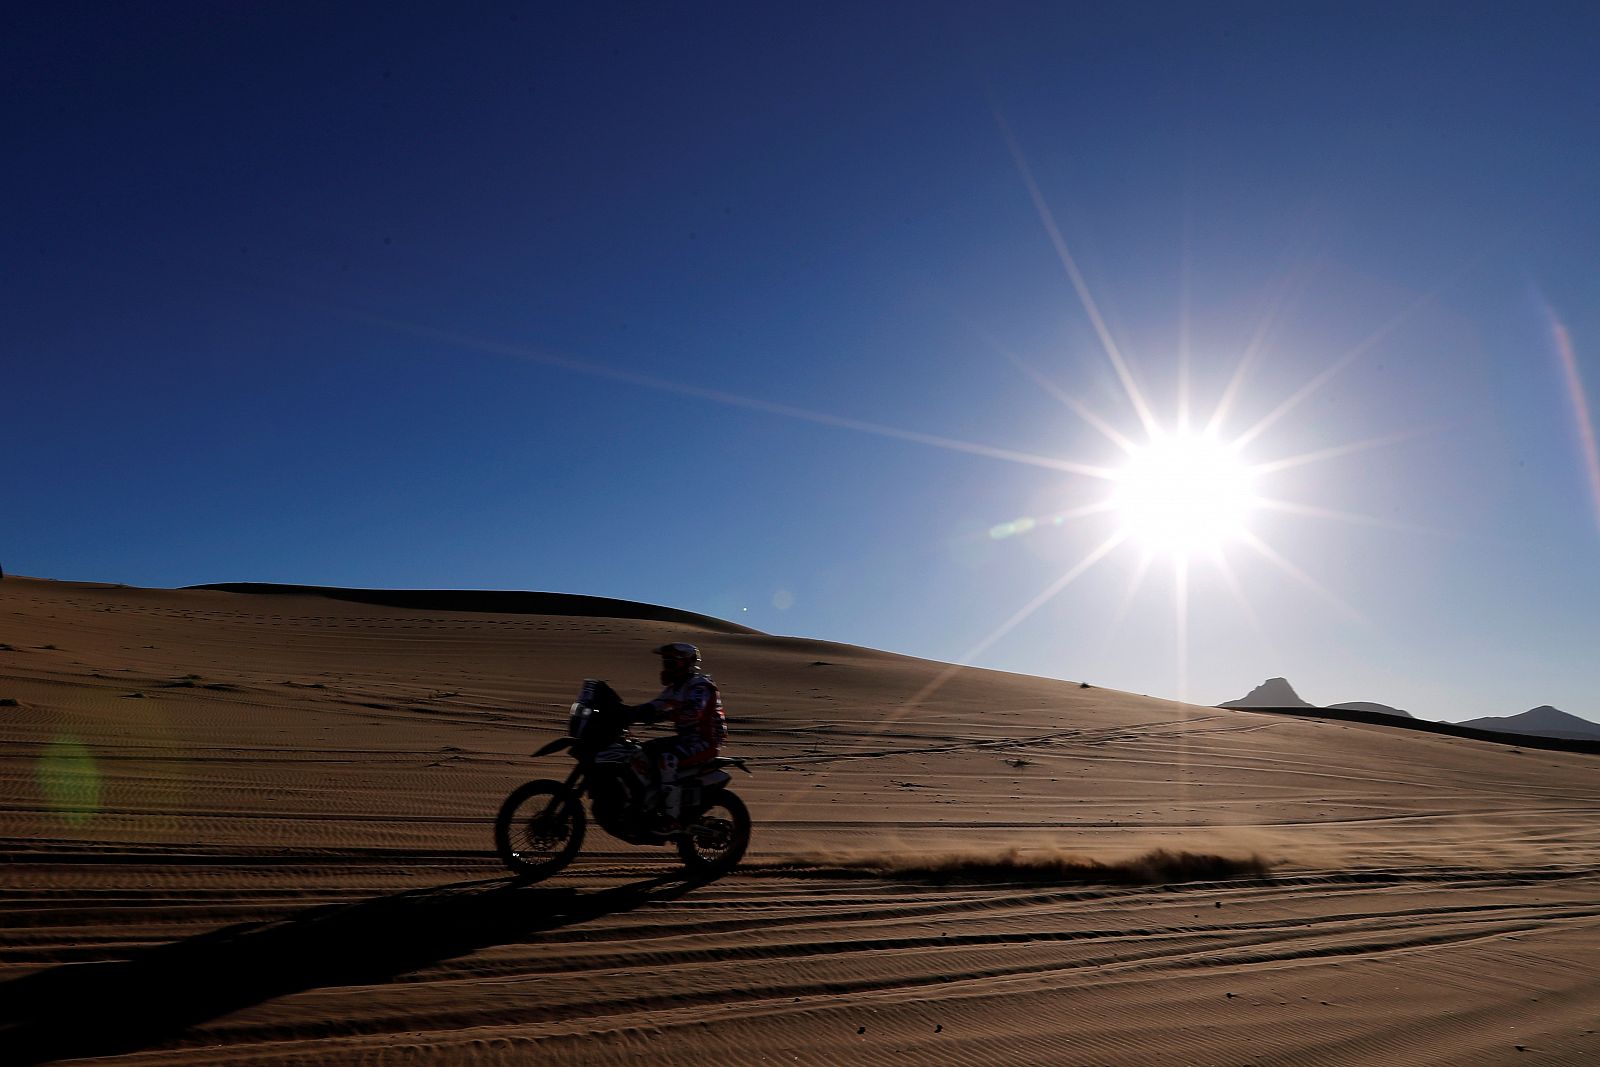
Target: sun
[(1183, 493)]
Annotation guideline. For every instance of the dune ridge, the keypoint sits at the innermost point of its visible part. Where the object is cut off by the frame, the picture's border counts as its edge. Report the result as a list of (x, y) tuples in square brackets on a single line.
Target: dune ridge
[(1590, 746), (491, 601)]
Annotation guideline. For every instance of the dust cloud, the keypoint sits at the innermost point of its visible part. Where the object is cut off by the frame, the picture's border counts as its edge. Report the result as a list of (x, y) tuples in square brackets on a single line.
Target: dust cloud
[(1156, 867)]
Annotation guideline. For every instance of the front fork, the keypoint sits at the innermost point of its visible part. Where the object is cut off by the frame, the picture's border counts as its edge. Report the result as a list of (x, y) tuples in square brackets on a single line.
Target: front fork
[(574, 787)]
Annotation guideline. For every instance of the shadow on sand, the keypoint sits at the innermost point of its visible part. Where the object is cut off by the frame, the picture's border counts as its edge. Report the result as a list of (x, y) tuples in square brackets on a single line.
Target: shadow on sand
[(98, 1009)]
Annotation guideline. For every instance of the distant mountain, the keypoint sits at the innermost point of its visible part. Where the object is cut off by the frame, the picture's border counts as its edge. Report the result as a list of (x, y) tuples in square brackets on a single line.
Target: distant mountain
[(1543, 721), (1562, 731), (1272, 693), (1278, 693), (1367, 705)]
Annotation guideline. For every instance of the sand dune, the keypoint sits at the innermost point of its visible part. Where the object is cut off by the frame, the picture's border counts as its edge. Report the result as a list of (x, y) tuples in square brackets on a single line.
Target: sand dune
[(255, 830)]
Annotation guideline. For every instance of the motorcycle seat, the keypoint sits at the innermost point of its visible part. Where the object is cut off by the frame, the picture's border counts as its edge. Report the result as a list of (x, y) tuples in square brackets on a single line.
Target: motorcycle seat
[(715, 763)]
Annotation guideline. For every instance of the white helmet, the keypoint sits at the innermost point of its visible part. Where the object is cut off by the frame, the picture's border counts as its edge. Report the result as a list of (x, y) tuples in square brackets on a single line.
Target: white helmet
[(679, 654)]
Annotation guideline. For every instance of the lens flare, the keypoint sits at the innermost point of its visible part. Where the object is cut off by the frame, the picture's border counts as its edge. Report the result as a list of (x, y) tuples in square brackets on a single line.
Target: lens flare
[(1589, 451), (70, 780)]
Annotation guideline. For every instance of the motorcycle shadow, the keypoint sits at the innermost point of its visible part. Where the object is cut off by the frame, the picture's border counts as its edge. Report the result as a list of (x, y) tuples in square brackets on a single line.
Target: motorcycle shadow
[(99, 1009)]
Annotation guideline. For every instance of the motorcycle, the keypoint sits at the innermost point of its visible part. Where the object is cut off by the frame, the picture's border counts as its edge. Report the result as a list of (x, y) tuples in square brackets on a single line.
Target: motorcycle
[(540, 827)]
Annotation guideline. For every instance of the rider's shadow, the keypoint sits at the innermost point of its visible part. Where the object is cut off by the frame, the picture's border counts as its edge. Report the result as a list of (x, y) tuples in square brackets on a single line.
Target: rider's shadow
[(86, 1009)]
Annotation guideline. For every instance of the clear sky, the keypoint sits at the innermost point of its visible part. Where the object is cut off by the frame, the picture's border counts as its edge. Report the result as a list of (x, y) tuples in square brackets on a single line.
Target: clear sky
[(795, 314)]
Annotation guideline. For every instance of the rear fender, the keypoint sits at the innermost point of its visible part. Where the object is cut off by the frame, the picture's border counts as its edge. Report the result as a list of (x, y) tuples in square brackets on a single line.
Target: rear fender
[(557, 745), (711, 779), (700, 789)]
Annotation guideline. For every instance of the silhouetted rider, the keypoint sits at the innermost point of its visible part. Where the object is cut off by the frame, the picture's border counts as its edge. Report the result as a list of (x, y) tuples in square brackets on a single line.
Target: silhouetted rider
[(691, 702)]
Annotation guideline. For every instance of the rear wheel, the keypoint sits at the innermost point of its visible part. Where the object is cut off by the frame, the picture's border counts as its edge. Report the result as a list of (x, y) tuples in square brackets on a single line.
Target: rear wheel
[(715, 839), (539, 829)]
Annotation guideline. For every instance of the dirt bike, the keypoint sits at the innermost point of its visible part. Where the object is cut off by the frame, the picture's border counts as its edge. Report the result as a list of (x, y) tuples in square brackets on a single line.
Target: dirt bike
[(540, 826)]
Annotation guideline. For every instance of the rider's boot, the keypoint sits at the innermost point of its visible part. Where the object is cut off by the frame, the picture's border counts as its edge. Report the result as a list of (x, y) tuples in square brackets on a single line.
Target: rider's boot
[(671, 807)]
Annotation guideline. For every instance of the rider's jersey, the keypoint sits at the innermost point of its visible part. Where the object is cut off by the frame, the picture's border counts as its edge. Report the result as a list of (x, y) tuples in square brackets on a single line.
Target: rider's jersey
[(695, 709)]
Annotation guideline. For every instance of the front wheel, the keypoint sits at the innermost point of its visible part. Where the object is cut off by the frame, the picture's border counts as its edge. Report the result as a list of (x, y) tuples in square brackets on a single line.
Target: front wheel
[(539, 829), (715, 839)]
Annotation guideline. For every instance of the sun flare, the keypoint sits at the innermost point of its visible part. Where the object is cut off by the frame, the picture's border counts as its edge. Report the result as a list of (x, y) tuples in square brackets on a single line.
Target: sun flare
[(1184, 493)]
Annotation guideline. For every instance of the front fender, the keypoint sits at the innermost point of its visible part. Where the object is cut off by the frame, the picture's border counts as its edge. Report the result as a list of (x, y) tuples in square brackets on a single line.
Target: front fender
[(557, 745)]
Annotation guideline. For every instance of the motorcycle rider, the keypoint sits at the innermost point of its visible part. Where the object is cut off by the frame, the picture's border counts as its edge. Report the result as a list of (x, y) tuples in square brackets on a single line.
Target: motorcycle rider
[(694, 706)]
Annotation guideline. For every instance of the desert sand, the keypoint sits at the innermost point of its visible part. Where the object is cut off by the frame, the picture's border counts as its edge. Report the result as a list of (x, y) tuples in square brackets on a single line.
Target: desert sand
[(247, 829)]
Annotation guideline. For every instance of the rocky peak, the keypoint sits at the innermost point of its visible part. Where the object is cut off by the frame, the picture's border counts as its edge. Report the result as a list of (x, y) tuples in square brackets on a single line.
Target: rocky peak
[(1272, 693)]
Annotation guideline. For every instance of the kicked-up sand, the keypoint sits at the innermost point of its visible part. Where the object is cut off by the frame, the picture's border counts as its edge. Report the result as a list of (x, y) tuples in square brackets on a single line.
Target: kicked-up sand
[(256, 829)]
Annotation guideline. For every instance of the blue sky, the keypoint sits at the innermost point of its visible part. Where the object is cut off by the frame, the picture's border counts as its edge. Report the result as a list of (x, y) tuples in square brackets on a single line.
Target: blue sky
[(671, 302)]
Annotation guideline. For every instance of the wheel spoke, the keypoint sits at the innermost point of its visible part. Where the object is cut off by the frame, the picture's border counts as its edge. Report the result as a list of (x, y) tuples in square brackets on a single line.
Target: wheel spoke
[(539, 829), (716, 838)]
